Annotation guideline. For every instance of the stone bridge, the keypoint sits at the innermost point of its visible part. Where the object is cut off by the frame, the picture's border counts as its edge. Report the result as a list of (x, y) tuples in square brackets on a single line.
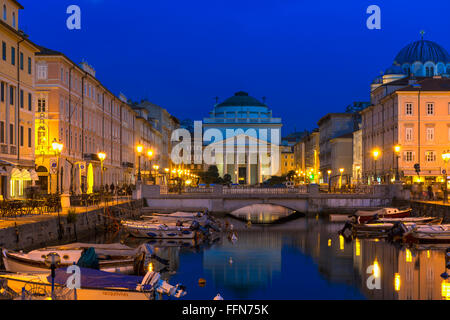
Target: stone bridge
[(307, 200)]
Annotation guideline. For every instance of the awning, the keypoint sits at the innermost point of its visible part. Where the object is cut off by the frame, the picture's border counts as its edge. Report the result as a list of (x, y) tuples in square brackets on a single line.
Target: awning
[(33, 175), (17, 174)]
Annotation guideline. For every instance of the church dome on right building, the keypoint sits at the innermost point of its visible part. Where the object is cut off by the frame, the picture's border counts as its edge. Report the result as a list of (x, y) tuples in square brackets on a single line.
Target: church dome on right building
[(423, 58)]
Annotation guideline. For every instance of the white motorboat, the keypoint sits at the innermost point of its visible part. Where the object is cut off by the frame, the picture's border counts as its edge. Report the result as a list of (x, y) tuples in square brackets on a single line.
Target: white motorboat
[(427, 233), (111, 257), (94, 285), (143, 229)]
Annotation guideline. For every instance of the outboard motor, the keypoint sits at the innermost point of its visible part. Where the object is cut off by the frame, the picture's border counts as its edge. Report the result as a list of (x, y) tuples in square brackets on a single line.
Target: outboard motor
[(347, 230), (212, 225), (397, 231), (194, 225)]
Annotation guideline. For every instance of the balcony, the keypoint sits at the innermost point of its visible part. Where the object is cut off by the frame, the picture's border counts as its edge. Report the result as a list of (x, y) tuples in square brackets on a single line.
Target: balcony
[(127, 165), (4, 149), (242, 120), (13, 150), (90, 157)]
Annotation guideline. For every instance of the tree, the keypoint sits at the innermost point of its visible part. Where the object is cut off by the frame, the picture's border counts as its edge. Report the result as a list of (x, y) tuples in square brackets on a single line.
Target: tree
[(227, 179), (210, 176), (290, 175)]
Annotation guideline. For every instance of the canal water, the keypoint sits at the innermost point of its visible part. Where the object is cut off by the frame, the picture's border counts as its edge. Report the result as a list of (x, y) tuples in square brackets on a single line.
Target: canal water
[(303, 258)]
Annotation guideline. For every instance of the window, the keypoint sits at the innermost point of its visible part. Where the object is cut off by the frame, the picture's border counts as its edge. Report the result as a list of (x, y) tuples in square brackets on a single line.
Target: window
[(430, 156), (41, 105), (29, 137), (21, 99), (29, 65), (21, 60), (2, 92), (430, 109), (21, 136), (4, 50), (4, 12), (42, 71), (430, 134), (14, 19), (13, 56), (409, 134), (409, 109), (429, 71), (30, 102), (11, 133), (11, 95), (2, 132)]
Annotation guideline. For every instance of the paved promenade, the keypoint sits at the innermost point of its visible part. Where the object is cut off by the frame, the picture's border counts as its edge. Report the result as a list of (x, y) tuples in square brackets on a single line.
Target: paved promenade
[(7, 222)]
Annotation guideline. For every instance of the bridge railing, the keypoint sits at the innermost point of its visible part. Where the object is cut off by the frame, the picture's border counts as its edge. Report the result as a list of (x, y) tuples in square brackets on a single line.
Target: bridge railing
[(253, 190)]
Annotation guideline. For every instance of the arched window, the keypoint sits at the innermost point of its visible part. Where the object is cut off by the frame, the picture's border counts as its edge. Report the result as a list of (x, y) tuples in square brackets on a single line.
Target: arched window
[(429, 71), (4, 12), (406, 70)]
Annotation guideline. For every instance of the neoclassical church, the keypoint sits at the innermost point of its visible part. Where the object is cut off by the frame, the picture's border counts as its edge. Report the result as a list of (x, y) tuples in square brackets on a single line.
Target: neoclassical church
[(248, 130), (422, 58)]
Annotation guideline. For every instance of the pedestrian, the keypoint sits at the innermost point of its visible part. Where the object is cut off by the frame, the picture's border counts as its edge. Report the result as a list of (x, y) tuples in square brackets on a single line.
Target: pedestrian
[(112, 188), (430, 193)]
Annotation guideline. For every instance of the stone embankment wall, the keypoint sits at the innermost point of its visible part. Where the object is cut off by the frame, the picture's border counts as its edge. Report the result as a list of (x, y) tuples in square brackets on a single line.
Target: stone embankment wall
[(431, 209), (39, 234)]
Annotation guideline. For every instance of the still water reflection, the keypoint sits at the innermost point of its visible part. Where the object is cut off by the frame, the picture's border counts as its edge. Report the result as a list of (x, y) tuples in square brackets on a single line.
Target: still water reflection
[(302, 259)]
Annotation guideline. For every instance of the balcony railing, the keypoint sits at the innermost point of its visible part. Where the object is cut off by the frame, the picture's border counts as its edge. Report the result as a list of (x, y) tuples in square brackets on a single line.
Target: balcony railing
[(4, 148), (13, 150)]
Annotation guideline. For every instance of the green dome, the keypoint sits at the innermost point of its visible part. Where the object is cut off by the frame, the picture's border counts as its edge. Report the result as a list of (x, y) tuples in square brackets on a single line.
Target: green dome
[(241, 99)]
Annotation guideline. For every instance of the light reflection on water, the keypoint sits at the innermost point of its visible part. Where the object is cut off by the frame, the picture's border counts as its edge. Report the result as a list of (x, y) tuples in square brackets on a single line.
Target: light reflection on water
[(302, 259)]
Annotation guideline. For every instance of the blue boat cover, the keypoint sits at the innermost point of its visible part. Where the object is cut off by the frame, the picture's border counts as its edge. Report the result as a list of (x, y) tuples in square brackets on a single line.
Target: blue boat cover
[(91, 278)]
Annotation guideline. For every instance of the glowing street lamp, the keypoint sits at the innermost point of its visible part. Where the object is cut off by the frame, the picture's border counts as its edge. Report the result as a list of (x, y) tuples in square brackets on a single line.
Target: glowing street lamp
[(397, 149), (446, 158), (57, 148), (341, 170), (139, 149), (375, 154), (150, 156), (102, 157)]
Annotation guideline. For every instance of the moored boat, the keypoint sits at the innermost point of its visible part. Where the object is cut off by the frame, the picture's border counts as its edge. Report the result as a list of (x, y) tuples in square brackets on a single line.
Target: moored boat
[(364, 216), (94, 285), (111, 257), (427, 234), (142, 229)]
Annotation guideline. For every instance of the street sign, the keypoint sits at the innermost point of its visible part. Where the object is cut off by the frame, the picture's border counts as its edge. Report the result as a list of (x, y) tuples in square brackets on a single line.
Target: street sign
[(53, 166)]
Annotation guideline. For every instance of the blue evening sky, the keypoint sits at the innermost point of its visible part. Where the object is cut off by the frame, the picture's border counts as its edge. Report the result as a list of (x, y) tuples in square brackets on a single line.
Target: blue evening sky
[(307, 57)]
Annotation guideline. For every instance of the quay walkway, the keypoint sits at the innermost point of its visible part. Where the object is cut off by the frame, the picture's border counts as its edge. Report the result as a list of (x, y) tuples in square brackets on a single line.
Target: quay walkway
[(37, 230)]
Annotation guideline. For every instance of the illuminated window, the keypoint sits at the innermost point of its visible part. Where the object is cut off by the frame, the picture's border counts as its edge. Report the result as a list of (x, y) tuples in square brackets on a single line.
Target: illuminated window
[(409, 109), (408, 134), (430, 156), (430, 134), (430, 109)]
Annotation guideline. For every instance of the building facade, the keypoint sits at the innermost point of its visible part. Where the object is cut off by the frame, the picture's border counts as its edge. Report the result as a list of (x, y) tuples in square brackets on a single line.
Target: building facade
[(250, 138), (336, 145), (17, 170), (410, 108), (73, 108)]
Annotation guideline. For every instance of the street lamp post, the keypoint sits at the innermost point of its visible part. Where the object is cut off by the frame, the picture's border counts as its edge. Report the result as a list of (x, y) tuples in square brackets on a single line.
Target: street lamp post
[(139, 149), (329, 182), (57, 147), (376, 154), (397, 149), (156, 168), (446, 158), (341, 170), (102, 157), (150, 155)]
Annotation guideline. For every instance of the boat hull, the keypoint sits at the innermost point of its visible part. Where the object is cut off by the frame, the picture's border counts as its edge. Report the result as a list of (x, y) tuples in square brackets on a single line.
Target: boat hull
[(42, 288)]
